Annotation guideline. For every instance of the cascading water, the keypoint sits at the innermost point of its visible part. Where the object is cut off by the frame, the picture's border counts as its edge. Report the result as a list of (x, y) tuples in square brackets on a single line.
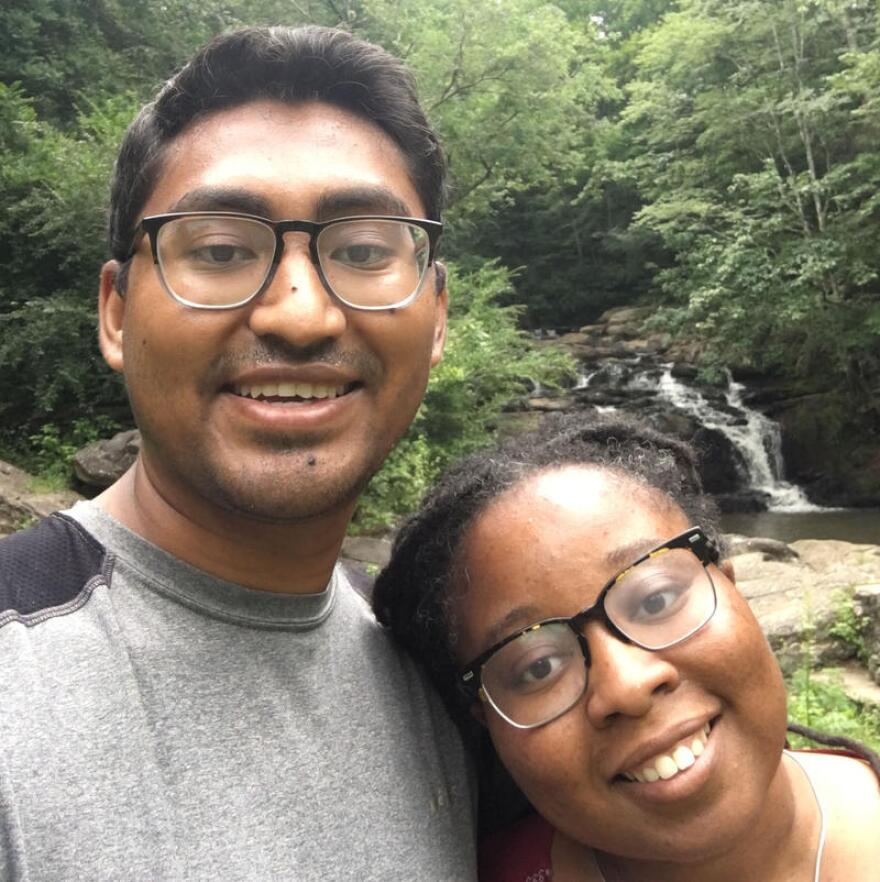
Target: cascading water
[(755, 436)]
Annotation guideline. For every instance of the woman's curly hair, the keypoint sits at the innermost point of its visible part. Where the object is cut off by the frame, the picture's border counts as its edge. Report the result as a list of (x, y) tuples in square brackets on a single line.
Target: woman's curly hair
[(412, 595)]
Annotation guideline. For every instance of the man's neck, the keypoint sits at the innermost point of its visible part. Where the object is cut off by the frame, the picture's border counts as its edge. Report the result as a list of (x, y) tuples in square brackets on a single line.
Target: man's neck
[(288, 558)]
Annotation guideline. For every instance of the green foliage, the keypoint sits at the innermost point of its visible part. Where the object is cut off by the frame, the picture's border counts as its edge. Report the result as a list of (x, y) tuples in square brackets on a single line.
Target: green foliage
[(487, 364), (849, 627), (752, 129), (826, 707), (716, 158), (52, 187), (51, 454)]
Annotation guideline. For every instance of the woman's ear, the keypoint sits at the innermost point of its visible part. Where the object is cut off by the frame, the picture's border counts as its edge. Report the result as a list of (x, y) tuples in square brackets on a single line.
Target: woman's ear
[(726, 567), (478, 712)]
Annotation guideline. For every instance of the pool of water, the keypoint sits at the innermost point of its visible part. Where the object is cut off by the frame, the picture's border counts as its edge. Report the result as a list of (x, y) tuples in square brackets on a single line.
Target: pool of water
[(849, 524)]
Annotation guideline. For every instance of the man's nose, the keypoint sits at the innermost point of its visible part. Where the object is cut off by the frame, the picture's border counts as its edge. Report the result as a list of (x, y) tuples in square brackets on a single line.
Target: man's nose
[(296, 306), (624, 679)]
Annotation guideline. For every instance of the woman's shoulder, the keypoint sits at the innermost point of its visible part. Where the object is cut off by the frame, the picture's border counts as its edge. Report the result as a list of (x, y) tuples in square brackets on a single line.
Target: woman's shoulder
[(519, 852), (839, 770), (849, 792)]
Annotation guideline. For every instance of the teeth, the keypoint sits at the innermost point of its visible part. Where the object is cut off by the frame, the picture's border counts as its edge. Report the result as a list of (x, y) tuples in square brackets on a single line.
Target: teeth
[(668, 765), (290, 390), (683, 757)]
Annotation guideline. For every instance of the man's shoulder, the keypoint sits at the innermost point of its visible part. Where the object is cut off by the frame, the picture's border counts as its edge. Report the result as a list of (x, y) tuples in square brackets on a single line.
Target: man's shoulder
[(47, 567)]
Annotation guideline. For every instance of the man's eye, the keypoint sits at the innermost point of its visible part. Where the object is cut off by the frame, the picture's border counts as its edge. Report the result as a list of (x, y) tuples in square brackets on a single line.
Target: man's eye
[(220, 255), (362, 255)]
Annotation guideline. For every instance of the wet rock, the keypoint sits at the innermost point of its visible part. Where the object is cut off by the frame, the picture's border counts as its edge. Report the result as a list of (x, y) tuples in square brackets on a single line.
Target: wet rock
[(675, 423), (770, 549), (743, 501), (722, 466), (681, 370), (102, 463)]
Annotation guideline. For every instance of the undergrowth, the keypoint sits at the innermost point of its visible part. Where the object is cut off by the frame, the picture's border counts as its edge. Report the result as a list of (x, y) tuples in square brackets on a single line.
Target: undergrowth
[(823, 705)]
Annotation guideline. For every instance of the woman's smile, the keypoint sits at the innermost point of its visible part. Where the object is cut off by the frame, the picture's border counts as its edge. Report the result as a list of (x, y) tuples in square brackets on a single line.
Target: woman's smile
[(660, 737)]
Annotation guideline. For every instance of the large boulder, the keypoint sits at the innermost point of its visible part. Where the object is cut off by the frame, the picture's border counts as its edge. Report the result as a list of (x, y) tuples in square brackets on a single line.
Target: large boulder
[(100, 464), (800, 602)]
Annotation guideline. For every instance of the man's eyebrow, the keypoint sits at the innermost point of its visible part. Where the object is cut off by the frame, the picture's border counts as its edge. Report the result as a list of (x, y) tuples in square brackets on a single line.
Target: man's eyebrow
[(222, 199), (360, 200), (336, 203)]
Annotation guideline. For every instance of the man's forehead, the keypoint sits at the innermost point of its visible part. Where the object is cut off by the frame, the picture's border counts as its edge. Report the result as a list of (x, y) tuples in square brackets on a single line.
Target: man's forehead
[(257, 156)]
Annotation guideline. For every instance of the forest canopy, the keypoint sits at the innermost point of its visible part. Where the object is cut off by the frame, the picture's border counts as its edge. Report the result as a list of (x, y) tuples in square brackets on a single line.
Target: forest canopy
[(718, 160)]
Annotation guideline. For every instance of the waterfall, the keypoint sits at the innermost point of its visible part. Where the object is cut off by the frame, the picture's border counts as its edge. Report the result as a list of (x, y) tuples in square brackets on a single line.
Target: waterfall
[(583, 378), (755, 436)]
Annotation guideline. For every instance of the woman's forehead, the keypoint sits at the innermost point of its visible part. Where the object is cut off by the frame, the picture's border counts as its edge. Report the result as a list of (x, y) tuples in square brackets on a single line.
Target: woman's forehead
[(575, 523), (598, 501)]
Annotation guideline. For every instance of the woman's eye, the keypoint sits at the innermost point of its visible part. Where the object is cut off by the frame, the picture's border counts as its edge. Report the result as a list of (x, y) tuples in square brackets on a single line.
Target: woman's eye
[(539, 671), (657, 603)]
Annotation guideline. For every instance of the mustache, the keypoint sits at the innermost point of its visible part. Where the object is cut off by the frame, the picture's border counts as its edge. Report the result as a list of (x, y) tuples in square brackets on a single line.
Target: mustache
[(275, 351)]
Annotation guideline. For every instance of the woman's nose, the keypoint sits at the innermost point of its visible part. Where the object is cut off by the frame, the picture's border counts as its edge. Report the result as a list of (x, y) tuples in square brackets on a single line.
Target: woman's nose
[(624, 679)]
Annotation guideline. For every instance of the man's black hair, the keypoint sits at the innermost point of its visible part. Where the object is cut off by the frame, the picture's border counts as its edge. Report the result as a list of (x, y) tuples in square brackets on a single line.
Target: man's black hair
[(291, 65)]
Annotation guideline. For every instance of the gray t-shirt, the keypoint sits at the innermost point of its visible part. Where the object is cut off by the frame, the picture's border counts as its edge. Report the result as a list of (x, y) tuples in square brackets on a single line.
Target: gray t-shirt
[(161, 724)]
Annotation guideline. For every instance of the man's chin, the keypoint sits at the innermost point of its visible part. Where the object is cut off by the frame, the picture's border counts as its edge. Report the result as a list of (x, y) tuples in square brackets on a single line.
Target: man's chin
[(281, 498)]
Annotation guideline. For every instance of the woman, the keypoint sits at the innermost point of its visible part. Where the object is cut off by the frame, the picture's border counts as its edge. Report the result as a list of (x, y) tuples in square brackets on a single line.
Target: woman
[(560, 592)]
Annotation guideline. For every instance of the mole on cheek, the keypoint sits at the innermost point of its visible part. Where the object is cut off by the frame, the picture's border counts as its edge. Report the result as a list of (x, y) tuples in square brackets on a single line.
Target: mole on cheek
[(312, 460)]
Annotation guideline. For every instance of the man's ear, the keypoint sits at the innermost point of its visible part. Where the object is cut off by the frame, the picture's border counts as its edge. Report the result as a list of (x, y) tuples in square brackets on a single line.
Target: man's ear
[(111, 312), (442, 307)]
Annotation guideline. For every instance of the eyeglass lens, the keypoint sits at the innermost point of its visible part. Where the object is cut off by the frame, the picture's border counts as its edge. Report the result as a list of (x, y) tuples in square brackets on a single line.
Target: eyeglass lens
[(224, 261), (541, 674)]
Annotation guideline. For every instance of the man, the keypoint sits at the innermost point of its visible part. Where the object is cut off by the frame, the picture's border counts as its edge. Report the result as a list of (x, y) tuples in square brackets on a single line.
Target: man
[(189, 687)]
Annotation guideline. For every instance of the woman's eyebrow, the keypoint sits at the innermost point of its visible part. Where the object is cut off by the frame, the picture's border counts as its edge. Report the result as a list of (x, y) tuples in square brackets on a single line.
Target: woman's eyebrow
[(516, 619), (621, 557)]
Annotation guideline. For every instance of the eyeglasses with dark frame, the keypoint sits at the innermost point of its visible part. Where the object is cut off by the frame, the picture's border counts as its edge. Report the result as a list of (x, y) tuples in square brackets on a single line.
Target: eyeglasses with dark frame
[(224, 260), (538, 673)]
